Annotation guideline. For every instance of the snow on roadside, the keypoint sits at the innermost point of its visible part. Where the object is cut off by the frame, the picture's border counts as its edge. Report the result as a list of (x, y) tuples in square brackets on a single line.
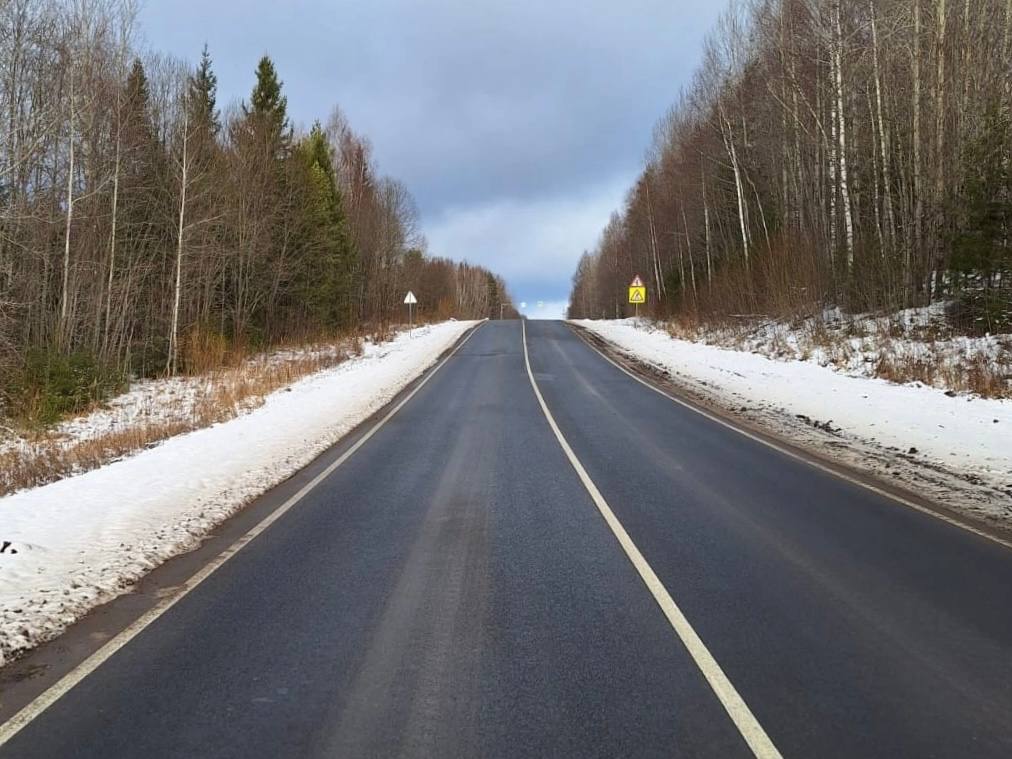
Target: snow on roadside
[(83, 540), (964, 434), (915, 341), (164, 400), (148, 401)]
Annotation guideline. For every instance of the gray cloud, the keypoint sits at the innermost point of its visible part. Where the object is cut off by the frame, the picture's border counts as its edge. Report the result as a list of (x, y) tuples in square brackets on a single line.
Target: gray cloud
[(533, 242), (519, 118)]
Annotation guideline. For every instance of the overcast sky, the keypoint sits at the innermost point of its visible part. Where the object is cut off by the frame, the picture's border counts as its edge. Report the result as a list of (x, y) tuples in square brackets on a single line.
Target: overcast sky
[(518, 126)]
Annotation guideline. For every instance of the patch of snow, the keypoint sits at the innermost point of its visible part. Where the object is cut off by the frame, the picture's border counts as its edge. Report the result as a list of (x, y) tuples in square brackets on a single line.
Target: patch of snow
[(73, 544), (912, 433)]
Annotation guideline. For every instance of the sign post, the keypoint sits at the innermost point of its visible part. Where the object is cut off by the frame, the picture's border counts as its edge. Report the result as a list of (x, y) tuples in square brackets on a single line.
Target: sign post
[(411, 300), (637, 293)]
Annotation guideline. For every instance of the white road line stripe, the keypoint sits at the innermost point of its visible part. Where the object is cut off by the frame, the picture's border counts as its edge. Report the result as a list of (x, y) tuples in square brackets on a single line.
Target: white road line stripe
[(46, 699), (800, 457), (753, 733)]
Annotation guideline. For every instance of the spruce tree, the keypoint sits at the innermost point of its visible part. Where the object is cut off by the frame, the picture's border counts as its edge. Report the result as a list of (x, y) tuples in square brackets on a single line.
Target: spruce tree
[(202, 95), (137, 106), (268, 108), (981, 257), (326, 289), (143, 160)]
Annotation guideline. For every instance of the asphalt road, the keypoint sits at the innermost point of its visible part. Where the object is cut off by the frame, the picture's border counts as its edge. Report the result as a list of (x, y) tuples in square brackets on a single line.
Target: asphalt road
[(453, 590)]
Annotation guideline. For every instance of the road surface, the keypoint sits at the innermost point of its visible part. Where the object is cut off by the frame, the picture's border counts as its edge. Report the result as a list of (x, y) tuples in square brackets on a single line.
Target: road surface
[(453, 589)]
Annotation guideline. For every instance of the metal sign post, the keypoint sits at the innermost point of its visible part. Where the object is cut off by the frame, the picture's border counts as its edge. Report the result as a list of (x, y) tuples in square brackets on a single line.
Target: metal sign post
[(411, 300)]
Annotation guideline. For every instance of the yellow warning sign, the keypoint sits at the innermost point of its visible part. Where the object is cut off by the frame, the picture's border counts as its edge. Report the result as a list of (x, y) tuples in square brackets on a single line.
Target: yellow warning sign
[(638, 294)]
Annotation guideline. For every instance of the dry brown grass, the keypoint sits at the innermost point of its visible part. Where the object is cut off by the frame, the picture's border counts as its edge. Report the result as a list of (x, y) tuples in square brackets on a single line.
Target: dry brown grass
[(48, 459), (890, 349), (983, 378), (224, 394), (975, 374)]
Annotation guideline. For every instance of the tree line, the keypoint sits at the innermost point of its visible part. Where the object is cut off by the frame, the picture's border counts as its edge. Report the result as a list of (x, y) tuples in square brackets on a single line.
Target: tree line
[(140, 220), (853, 152)]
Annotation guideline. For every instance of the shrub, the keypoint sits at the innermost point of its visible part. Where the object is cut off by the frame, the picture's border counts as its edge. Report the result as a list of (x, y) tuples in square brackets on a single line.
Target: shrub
[(51, 385), (979, 311)]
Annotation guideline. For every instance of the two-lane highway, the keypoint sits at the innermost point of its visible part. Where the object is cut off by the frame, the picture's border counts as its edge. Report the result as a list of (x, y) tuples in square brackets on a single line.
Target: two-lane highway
[(453, 590)]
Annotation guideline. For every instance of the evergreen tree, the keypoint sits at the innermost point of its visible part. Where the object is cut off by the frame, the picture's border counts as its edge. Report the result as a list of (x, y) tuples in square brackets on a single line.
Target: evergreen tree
[(266, 204), (981, 255), (326, 286), (144, 229), (137, 123), (494, 296), (268, 108), (143, 159), (202, 96)]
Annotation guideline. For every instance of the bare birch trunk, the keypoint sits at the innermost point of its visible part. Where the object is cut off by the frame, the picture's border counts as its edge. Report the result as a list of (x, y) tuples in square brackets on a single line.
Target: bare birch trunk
[(876, 201), (940, 86), (848, 219), (1008, 30), (655, 259), (833, 164), (966, 65), (173, 335), (918, 198), (65, 291), (739, 190), (688, 245), (706, 227), (883, 131), (112, 243)]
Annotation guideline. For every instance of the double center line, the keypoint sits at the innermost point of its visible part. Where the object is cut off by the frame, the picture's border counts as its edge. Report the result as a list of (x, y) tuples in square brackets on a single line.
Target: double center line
[(742, 717)]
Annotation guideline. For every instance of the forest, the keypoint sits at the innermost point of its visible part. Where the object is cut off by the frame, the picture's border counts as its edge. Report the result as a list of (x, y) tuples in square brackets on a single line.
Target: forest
[(145, 227), (849, 153)]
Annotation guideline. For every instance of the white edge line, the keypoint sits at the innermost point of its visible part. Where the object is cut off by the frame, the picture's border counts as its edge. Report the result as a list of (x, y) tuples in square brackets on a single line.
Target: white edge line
[(748, 726), (794, 454), (52, 694)]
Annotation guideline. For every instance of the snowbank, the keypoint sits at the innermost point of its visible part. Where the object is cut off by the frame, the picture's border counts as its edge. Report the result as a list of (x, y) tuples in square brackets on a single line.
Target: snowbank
[(83, 540), (916, 343), (953, 432)]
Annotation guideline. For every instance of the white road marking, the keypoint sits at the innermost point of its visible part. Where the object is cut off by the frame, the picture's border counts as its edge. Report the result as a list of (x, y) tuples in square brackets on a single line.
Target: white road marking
[(800, 457), (46, 699), (753, 733)]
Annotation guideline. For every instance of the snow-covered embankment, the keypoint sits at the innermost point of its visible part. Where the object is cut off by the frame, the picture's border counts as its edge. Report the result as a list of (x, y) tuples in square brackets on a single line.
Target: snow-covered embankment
[(81, 541), (957, 447)]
